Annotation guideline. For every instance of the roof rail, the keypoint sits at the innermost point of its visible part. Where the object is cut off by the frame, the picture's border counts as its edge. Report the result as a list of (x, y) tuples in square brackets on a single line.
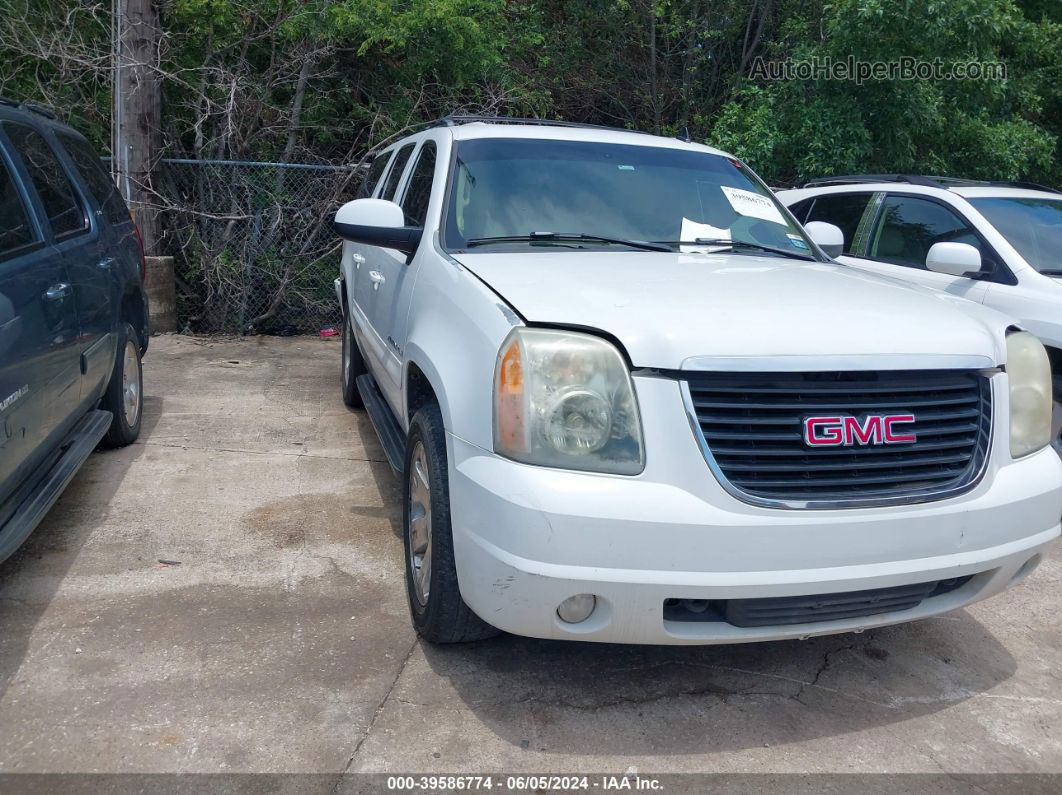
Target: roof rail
[(850, 179), (459, 119), (40, 110), (944, 183)]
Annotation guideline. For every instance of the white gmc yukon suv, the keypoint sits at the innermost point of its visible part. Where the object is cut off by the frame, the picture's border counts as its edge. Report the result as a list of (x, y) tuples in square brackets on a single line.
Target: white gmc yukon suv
[(633, 401)]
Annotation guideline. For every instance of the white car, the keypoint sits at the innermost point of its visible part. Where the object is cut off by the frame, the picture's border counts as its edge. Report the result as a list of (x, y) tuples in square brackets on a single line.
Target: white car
[(633, 401), (999, 244)]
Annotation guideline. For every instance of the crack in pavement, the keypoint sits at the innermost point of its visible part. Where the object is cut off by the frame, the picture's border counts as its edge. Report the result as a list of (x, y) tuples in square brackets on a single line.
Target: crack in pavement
[(827, 659), (376, 714), (260, 452)]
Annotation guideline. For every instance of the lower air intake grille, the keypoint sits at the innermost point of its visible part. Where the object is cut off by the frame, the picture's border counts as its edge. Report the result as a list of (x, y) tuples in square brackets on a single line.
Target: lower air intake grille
[(784, 610), (753, 426)]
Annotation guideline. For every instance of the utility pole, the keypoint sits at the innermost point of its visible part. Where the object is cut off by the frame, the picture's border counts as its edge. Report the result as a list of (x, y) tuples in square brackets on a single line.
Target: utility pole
[(137, 110)]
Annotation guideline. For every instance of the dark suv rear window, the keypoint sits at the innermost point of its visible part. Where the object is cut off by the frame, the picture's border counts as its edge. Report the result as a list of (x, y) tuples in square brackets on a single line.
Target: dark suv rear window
[(57, 194), (15, 230), (98, 181)]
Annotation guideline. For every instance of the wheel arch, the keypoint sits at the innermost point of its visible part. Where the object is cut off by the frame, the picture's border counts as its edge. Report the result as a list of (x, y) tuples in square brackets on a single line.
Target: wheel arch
[(134, 311)]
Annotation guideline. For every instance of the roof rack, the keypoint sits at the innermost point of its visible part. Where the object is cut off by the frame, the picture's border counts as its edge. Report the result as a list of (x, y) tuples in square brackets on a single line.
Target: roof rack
[(40, 110), (458, 120), (945, 183)]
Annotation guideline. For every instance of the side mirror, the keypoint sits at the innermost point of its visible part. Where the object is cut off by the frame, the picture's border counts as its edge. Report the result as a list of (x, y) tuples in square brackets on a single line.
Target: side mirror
[(377, 222), (828, 237), (955, 259)]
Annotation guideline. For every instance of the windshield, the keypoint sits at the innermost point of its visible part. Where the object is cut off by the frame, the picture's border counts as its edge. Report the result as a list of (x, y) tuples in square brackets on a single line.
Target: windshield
[(519, 188), (1032, 226)]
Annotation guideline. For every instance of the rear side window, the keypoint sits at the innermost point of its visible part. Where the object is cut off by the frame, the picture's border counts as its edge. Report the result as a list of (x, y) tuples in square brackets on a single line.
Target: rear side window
[(375, 172), (54, 188), (96, 178), (844, 210), (800, 209), (415, 204), (15, 229), (396, 172)]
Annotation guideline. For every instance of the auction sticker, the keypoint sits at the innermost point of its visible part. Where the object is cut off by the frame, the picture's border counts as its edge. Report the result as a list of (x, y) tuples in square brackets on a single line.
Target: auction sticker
[(753, 205)]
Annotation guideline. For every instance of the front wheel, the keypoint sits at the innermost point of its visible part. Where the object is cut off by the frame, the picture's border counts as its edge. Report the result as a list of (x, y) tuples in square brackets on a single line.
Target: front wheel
[(125, 392), (439, 613)]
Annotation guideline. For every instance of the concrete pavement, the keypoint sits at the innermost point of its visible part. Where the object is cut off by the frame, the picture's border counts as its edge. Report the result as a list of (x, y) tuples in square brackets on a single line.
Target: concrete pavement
[(275, 637)]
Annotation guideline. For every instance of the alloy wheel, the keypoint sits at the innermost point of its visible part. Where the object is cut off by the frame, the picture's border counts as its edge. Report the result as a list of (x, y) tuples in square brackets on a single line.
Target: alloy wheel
[(131, 384), (419, 529)]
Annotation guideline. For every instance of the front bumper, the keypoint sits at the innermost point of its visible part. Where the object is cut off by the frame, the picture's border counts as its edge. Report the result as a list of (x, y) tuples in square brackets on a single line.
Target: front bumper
[(526, 538)]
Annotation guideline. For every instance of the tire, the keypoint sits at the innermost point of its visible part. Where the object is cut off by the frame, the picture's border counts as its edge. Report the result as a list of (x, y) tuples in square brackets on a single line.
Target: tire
[(440, 615), (124, 397), (353, 366)]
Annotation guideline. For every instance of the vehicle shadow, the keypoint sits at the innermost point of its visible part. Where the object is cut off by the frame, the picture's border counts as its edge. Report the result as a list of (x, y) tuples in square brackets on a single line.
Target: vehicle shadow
[(666, 700), (30, 578), (387, 482)]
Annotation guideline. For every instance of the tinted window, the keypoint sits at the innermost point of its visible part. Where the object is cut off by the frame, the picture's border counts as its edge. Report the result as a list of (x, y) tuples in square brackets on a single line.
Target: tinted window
[(375, 172), (505, 187), (1032, 226), (396, 172), (844, 210), (53, 186), (908, 227), (15, 229), (96, 178), (800, 209), (419, 190)]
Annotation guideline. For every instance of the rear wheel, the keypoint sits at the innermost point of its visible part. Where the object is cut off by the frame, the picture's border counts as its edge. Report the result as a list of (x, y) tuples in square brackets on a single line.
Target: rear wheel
[(439, 613), (353, 366), (125, 392)]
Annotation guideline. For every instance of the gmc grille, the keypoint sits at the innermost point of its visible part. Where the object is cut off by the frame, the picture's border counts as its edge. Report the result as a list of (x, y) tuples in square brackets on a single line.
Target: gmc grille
[(751, 426)]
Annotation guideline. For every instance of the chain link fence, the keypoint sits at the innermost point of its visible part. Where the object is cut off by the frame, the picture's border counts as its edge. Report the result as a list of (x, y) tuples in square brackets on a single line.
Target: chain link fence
[(253, 243)]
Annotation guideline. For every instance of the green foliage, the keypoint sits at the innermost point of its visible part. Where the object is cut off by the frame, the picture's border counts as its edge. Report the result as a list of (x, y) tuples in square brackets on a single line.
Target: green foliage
[(977, 128), (324, 80)]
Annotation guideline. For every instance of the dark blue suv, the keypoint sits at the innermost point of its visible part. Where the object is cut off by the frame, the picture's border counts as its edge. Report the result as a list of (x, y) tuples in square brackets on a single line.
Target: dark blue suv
[(73, 314)]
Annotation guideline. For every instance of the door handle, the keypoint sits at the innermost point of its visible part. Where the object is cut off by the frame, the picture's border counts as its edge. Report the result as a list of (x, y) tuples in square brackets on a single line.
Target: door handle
[(105, 263), (377, 279), (57, 292)]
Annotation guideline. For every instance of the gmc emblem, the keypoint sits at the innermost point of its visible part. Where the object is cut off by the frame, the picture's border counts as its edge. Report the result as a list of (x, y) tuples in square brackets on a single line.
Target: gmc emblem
[(845, 431)]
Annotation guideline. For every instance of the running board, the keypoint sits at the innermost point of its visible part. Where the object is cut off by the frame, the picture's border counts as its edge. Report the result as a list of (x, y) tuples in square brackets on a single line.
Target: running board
[(38, 496), (392, 439)]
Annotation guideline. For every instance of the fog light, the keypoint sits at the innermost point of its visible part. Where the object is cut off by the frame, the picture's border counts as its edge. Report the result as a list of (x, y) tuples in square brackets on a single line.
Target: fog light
[(576, 608)]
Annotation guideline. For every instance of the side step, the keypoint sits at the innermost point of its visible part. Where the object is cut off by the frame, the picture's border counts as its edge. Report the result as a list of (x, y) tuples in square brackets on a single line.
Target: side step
[(39, 494), (383, 420)]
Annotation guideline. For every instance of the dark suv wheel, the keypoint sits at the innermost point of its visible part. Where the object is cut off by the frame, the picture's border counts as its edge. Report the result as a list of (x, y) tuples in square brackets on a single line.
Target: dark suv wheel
[(125, 392)]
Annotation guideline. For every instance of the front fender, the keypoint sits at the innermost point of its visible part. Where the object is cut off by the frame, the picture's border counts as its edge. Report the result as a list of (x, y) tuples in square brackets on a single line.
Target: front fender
[(457, 325)]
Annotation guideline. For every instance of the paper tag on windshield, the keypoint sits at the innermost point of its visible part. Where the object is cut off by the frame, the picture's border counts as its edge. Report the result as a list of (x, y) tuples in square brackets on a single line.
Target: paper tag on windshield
[(691, 230), (754, 205)]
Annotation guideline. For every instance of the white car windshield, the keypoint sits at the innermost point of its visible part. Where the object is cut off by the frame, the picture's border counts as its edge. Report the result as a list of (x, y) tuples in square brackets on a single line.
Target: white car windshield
[(1033, 226), (519, 194)]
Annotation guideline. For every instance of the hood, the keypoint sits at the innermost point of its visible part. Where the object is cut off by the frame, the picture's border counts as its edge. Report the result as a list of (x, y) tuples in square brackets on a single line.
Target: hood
[(666, 308)]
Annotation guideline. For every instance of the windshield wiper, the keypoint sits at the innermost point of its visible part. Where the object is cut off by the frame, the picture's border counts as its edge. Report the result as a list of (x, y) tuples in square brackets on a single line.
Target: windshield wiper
[(705, 241), (1051, 271), (566, 236)]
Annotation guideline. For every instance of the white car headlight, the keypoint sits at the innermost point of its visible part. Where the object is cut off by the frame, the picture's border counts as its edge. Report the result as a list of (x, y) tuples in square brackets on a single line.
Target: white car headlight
[(1029, 373), (563, 399)]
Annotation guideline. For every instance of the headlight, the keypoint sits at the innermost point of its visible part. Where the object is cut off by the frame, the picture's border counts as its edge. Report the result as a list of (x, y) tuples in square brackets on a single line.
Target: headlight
[(563, 399), (1029, 373)]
